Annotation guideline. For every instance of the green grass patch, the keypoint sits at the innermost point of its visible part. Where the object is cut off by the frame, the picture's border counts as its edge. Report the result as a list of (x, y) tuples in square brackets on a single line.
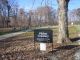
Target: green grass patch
[(78, 28), (29, 34), (2, 33), (72, 32)]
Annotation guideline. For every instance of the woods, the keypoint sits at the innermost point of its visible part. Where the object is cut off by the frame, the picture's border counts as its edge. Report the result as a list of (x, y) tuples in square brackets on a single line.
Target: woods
[(13, 16), (16, 17)]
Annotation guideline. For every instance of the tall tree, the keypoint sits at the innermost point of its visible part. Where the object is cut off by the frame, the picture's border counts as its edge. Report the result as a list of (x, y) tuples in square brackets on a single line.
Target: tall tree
[(77, 13), (4, 10), (46, 15), (63, 20), (8, 20), (30, 18)]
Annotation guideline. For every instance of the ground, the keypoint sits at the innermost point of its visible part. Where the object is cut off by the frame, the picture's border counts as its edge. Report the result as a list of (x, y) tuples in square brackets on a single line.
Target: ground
[(22, 48)]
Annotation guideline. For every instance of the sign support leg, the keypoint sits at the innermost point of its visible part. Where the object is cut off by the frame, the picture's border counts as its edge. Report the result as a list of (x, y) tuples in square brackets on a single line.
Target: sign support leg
[(34, 50), (52, 47)]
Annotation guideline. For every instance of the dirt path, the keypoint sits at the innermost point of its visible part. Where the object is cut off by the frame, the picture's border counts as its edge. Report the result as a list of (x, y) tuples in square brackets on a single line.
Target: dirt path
[(10, 35)]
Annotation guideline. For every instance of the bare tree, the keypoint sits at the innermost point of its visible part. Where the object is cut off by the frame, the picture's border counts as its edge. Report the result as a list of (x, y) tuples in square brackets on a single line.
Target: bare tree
[(63, 20), (8, 9), (73, 18), (77, 14), (30, 18), (4, 8), (45, 15)]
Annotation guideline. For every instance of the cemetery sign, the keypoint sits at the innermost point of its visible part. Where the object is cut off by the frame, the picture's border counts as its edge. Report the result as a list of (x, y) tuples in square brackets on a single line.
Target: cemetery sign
[(43, 35)]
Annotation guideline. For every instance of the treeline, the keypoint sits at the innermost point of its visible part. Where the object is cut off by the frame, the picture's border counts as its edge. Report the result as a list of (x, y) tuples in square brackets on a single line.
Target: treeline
[(13, 16)]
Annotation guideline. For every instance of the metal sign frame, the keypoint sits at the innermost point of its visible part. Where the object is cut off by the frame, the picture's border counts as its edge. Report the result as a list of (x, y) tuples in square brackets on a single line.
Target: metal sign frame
[(43, 34)]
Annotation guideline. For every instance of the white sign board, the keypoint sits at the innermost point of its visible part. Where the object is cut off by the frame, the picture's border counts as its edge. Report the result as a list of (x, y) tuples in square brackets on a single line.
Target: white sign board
[(43, 46)]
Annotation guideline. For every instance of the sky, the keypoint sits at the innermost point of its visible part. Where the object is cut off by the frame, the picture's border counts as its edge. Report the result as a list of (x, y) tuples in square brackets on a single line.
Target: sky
[(28, 4)]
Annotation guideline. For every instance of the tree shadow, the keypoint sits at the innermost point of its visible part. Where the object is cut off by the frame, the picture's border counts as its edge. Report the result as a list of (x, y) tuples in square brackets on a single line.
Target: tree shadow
[(5, 43), (75, 39), (67, 47)]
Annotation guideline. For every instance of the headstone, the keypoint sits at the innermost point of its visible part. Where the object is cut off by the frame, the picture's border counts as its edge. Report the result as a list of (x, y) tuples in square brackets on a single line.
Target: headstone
[(72, 23)]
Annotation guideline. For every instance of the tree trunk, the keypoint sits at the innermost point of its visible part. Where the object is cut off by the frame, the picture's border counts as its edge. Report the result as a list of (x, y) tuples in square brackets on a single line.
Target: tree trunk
[(63, 20), (29, 20)]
